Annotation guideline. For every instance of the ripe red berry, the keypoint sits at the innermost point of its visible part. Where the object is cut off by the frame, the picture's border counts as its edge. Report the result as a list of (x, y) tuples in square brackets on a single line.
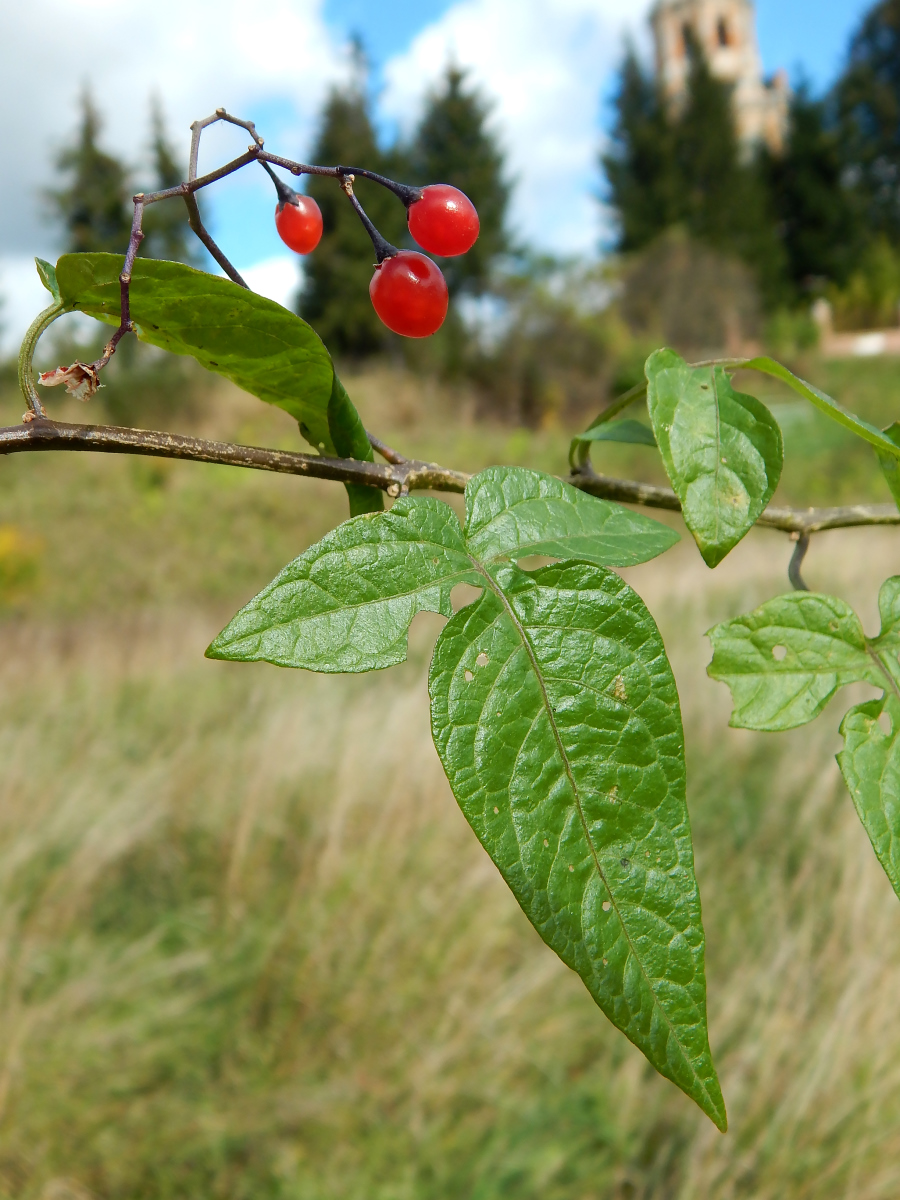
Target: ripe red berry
[(410, 295), (299, 224), (443, 220)]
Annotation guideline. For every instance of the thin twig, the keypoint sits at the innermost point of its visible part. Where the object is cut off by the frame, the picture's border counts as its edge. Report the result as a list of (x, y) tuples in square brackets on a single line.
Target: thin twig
[(387, 452), (411, 474)]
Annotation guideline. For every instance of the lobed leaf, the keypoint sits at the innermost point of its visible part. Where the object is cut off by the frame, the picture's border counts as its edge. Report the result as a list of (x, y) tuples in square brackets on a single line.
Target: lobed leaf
[(346, 604), (514, 513), (577, 740), (786, 659), (870, 764), (556, 717), (722, 450)]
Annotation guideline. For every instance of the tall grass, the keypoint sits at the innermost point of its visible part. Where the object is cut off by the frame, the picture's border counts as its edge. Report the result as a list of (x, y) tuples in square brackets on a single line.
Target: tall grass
[(250, 948)]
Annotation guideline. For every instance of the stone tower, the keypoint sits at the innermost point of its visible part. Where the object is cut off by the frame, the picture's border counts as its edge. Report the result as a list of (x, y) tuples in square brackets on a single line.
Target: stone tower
[(726, 30)]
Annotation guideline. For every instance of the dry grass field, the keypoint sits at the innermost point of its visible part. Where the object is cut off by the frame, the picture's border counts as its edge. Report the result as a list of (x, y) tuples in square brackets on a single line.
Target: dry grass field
[(249, 947)]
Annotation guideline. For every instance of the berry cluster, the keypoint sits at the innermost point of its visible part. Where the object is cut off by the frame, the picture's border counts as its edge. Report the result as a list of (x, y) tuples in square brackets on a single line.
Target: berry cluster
[(408, 289)]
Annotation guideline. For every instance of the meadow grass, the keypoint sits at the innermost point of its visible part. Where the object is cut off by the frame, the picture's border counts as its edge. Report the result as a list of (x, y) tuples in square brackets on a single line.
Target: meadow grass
[(250, 948)]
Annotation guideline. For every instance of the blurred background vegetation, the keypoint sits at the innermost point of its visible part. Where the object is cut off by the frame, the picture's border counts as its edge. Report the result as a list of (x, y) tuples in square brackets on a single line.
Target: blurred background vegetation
[(248, 946)]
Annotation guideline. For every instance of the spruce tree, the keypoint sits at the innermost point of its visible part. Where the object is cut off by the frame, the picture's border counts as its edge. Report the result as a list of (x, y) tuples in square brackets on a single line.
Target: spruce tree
[(686, 168), (166, 229), (868, 101), (94, 208), (640, 167), (335, 293), (454, 145), (817, 216)]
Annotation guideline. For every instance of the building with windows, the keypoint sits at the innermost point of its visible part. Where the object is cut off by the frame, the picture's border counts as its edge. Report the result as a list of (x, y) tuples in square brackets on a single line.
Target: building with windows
[(726, 32)]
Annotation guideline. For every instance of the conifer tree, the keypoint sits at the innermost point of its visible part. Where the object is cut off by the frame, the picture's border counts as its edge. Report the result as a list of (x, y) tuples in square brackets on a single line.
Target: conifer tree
[(817, 216), (640, 167), (166, 229), (454, 145), (868, 100), (685, 168), (94, 207), (335, 293)]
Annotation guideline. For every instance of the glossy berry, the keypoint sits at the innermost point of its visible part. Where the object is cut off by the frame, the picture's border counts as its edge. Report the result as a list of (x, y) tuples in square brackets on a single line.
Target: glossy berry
[(299, 224), (410, 294), (443, 220)]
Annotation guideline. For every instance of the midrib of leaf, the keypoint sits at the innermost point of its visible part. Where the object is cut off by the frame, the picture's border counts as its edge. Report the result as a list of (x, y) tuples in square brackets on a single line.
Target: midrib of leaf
[(529, 650), (368, 603), (718, 446)]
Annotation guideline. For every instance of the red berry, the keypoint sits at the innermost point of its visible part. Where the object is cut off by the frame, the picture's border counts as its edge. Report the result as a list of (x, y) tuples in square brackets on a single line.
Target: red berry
[(443, 220), (410, 295), (299, 224)]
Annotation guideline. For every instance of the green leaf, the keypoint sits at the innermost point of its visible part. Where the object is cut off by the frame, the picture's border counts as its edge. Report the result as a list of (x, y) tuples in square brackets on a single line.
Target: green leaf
[(556, 716), (786, 659), (628, 431), (823, 402), (577, 733), (870, 764), (252, 341), (722, 450), (513, 513), (351, 441), (47, 273), (346, 604), (891, 465)]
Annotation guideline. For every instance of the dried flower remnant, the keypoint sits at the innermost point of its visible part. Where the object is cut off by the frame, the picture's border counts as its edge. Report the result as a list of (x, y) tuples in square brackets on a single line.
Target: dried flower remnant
[(81, 379)]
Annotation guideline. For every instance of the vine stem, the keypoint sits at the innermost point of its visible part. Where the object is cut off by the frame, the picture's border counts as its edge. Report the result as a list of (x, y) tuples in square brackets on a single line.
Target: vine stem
[(41, 434), (41, 323)]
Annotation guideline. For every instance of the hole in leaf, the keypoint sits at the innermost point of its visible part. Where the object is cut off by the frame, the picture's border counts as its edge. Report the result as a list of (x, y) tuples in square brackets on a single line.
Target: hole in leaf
[(606, 962), (625, 862), (571, 868), (496, 809), (614, 795), (463, 595), (887, 725), (469, 676), (546, 841), (482, 660), (606, 906), (779, 653)]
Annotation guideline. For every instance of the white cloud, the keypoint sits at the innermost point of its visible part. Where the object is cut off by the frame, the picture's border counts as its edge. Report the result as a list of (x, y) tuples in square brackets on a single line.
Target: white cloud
[(544, 63), (277, 278), (195, 56)]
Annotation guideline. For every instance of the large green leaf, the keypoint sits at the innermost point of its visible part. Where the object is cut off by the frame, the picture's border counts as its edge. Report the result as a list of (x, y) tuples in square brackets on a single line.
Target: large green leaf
[(722, 450), (577, 741), (346, 604), (256, 343), (786, 659), (515, 513), (556, 716), (259, 345)]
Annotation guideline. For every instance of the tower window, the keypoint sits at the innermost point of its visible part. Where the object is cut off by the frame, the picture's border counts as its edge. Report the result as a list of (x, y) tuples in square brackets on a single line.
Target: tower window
[(724, 36)]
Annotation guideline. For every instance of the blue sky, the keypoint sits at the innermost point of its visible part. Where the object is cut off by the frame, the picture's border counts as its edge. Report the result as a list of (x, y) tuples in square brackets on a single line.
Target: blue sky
[(545, 64)]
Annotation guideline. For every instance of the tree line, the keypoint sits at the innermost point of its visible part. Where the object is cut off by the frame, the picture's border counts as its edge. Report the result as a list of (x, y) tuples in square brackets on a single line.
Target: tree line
[(822, 215)]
